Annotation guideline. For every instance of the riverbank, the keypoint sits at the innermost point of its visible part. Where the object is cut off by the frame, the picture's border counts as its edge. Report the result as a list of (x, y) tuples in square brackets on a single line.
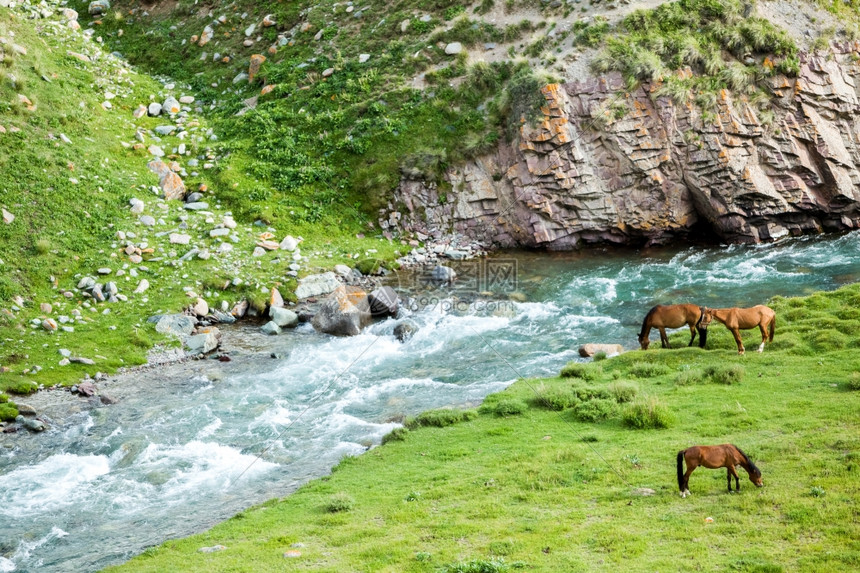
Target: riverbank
[(516, 484)]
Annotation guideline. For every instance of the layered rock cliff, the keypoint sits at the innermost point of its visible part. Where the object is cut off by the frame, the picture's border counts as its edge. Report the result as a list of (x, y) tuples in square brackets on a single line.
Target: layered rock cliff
[(620, 167)]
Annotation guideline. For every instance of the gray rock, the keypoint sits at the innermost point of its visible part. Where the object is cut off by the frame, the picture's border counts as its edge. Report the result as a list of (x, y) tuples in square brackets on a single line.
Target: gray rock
[(443, 274), (111, 288), (87, 388), (453, 48), (98, 7), (154, 109), (82, 360), (193, 197), (137, 206), (271, 328), (147, 221), (590, 349), (203, 343), (98, 294), (87, 283), (316, 285), (289, 243), (343, 313), (222, 232), (176, 324), (165, 129), (107, 399), (32, 425), (197, 206), (283, 317), (405, 330), (383, 302), (26, 410)]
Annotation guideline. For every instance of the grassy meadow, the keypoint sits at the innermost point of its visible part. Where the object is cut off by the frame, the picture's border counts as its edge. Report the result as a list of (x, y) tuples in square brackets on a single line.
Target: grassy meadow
[(548, 475)]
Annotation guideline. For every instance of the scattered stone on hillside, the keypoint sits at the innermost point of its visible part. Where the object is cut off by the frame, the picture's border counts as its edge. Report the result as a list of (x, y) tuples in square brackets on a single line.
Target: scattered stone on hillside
[(206, 36), (289, 243), (316, 285), (50, 325), (70, 14), (275, 298), (220, 232), (453, 48), (187, 99), (405, 330), (104, 271), (164, 130), (7, 217), (343, 313), (292, 553), (98, 7), (137, 206), (198, 206), (383, 302), (82, 360), (271, 328), (154, 109), (46, 308), (86, 283), (155, 150), (171, 105), (343, 271), (147, 220), (140, 111), (590, 349), (141, 286), (240, 77), (250, 30), (200, 308), (268, 21), (212, 549), (404, 25), (327, 72), (644, 491), (176, 324), (179, 238), (362, 58), (254, 66), (268, 245)]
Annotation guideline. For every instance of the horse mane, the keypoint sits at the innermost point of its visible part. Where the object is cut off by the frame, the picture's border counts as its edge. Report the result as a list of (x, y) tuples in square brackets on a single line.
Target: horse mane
[(752, 467), (645, 321)]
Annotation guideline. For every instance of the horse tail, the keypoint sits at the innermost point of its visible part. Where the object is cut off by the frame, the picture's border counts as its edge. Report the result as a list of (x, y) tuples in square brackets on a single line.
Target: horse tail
[(771, 328), (645, 322), (681, 470)]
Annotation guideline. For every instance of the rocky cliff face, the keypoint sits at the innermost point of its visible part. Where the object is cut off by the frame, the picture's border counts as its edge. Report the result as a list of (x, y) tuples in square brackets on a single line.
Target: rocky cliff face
[(630, 168)]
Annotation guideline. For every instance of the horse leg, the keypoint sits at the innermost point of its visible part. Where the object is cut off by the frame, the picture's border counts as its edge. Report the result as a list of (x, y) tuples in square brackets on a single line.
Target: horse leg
[(692, 334), (763, 336), (687, 480), (740, 343), (729, 478), (733, 472), (664, 340)]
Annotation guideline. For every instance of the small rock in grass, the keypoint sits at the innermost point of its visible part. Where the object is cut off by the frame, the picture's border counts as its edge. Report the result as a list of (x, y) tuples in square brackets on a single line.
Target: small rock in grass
[(212, 549)]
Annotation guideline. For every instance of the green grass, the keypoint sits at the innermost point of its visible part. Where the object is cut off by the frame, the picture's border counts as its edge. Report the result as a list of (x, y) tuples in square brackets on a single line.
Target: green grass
[(545, 491)]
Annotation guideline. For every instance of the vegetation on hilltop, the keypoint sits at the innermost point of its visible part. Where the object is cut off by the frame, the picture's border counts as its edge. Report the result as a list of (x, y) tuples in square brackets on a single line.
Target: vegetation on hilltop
[(577, 473)]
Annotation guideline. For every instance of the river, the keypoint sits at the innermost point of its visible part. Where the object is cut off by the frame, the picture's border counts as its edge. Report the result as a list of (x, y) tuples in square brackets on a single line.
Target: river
[(193, 443)]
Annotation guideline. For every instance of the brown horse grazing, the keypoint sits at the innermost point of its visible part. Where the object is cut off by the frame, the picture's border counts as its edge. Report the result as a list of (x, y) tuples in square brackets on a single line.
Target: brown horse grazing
[(737, 319), (713, 457), (670, 316)]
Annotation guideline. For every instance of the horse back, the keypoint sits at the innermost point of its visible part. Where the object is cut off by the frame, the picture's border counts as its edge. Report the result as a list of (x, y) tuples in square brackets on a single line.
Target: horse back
[(674, 315)]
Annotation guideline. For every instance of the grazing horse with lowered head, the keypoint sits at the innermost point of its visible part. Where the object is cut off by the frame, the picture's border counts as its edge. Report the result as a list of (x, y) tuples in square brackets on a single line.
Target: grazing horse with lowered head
[(662, 317), (723, 456), (737, 319)]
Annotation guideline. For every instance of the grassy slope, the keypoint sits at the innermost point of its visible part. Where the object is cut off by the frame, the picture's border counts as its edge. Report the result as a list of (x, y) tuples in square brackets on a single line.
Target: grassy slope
[(531, 489)]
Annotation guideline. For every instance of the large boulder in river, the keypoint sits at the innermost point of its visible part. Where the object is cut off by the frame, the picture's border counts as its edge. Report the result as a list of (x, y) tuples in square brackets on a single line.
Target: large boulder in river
[(344, 312), (204, 341), (405, 330), (283, 317), (383, 302), (316, 285)]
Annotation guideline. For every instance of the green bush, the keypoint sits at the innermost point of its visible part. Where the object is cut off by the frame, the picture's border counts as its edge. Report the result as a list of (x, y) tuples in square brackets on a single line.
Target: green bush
[(476, 566), (854, 381), (3, 398), (22, 387), (8, 411), (648, 370), (647, 413), (623, 391), (339, 502), (505, 407), (582, 370), (439, 418), (689, 377), (594, 410), (586, 393), (554, 398), (395, 435), (730, 374), (827, 340)]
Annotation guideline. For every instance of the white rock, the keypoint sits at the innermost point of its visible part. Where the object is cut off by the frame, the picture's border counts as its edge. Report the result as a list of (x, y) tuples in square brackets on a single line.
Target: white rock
[(453, 48), (289, 243)]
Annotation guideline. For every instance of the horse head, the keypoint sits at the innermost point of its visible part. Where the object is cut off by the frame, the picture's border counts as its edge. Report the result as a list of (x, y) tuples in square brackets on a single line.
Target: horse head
[(755, 476), (644, 342), (706, 318)]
